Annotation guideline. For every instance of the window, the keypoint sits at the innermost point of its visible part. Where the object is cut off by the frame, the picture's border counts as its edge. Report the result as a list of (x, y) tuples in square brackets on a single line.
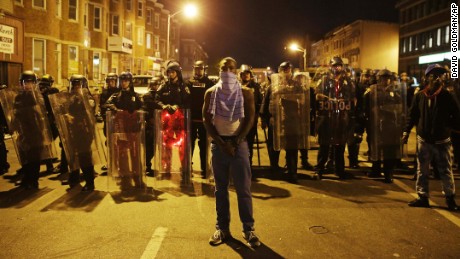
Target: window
[(129, 30), (140, 35), (73, 9), (19, 2), (410, 44), (156, 43), (39, 3), (140, 9), (403, 45), (157, 21), (59, 8), (149, 16), (115, 25), (39, 56), (96, 65), (129, 5), (85, 16), (148, 40), (97, 18), (447, 36), (430, 40), (438, 37), (73, 60), (73, 53)]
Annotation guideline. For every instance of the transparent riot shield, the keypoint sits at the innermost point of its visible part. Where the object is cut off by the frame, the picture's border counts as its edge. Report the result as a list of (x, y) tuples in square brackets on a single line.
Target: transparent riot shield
[(290, 101), (77, 128), (386, 120), (126, 149), (173, 147), (26, 117), (335, 104)]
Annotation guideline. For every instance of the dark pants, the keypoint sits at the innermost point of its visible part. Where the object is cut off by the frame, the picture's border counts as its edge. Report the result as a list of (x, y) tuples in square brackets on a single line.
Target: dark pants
[(31, 173), (199, 131), (250, 139), (149, 148), (337, 153), (273, 155), (291, 161)]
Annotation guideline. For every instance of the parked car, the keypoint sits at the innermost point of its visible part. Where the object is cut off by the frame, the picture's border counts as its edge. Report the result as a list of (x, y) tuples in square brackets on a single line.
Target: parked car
[(141, 83)]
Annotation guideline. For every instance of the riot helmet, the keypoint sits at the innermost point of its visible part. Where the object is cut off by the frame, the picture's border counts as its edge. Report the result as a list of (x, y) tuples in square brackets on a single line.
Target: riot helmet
[(246, 70), (28, 75), (384, 77), (111, 76), (365, 76), (174, 66), (46, 81), (285, 66), (77, 82), (126, 77), (199, 69), (26, 78), (336, 64)]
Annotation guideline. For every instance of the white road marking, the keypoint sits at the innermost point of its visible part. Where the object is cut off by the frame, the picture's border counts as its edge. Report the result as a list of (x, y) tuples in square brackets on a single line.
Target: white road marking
[(445, 213), (155, 243)]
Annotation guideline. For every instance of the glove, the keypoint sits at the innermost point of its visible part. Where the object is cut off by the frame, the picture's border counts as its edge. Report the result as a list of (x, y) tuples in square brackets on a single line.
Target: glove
[(171, 109)]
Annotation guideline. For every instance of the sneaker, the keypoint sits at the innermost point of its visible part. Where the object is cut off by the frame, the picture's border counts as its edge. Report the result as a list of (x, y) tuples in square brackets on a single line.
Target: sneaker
[(251, 239), (451, 205), (421, 202), (219, 237)]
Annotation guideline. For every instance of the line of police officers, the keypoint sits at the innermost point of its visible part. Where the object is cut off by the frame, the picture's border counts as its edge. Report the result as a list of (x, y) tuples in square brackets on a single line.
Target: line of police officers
[(340, 110)]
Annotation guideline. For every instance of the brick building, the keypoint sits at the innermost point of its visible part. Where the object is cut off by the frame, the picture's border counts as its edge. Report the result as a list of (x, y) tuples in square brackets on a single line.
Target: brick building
[(92, 37)]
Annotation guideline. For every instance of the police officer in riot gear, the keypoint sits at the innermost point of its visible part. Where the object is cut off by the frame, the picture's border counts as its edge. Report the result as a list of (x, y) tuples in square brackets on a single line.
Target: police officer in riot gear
[(382, 115), (336, 101), (111, 87), (149, 105), (198, 86), (31, 138), (172, 97), (45, 85), (127, 100), (247, 79), (82, 144), (362, 86)]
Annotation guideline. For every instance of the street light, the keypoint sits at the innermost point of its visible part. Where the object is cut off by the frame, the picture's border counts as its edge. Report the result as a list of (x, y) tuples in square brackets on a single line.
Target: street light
[(189, 10), (296, 47)]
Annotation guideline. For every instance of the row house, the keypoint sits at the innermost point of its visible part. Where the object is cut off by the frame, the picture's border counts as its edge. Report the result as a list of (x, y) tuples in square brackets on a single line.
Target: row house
[(361, 44), (89, 37)]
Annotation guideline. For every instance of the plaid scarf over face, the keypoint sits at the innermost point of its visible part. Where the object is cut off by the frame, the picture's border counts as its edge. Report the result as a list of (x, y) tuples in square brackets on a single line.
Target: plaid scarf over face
[(227, 100)]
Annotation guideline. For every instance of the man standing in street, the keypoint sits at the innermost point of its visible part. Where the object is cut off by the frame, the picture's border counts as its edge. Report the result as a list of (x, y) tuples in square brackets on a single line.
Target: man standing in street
[(435, 113), (228, 115)]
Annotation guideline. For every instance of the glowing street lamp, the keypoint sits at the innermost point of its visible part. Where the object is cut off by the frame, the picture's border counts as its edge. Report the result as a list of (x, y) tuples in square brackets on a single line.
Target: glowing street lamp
[(189, 10), (295, 47)]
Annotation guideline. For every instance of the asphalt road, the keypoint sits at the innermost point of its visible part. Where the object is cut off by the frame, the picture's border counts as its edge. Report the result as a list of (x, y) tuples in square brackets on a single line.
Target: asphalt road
[(331, 218)]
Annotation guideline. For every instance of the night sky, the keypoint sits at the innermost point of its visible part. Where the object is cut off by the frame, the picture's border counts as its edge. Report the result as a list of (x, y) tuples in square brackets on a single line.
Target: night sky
[(255, 32)]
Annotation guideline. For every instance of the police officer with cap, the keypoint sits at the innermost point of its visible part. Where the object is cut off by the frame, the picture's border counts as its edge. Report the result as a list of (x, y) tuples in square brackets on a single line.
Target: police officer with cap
[(434, 113)]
